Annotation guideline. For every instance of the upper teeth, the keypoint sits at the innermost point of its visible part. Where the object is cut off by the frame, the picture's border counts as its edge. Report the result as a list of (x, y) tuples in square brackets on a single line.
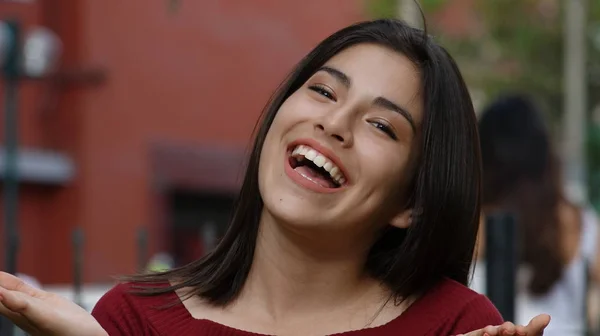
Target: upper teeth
[(320, 160)]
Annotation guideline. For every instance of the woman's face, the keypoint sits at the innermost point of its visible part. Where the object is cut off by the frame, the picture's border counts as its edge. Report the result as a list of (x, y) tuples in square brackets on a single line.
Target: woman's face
[(339, 152)]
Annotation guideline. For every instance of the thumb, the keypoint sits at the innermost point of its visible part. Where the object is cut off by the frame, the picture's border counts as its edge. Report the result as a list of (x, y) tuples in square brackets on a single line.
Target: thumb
[(538, 324)]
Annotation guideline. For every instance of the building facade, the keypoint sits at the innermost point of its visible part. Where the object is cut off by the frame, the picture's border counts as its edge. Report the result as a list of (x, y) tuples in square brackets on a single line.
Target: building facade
[(146, 123)]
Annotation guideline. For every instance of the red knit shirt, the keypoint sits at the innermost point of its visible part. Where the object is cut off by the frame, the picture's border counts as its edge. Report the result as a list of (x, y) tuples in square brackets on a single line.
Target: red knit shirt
[(448, 309)]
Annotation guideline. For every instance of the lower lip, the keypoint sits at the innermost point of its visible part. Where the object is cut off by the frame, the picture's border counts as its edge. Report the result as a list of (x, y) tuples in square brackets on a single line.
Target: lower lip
[(305, 182)]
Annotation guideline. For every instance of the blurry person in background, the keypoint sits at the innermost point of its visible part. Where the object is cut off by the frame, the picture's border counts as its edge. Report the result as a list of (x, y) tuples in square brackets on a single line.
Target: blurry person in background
[(558, 239)]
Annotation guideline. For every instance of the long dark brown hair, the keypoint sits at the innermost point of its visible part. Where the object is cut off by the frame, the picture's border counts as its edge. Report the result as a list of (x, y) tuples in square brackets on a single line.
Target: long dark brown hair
[(521, 175), (445, 189)]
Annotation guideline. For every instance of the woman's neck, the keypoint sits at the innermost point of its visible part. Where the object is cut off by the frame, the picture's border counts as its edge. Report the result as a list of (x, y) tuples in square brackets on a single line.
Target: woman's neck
[(295, 273)]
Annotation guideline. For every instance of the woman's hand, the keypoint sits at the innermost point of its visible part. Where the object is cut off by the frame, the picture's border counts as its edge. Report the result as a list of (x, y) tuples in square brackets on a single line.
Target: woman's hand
[(535, 328), (40, 313)]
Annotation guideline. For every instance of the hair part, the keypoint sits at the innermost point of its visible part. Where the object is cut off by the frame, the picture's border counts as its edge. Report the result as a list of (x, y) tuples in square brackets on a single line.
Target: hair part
[(445, 189)]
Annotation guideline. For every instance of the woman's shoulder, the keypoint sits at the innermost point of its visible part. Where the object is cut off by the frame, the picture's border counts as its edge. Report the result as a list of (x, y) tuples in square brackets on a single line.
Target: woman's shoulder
[(129, 294), (459, 293), (465, 309), (450, 308), (125, 308)]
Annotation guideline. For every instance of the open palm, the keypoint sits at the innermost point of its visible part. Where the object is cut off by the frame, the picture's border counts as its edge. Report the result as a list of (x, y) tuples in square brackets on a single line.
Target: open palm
[(40, 313), (535, 328)]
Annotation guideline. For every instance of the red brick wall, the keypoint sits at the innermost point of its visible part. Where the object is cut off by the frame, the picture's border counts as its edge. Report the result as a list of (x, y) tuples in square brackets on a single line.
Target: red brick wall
[(48, 119), (199, 75)]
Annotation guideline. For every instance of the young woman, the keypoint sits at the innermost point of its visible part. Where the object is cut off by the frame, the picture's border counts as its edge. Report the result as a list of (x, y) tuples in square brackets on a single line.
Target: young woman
[(521, 174), (358, 213)]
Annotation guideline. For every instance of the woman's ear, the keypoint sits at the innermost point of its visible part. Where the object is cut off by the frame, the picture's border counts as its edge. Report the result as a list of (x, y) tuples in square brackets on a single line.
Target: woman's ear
[(404, 219)]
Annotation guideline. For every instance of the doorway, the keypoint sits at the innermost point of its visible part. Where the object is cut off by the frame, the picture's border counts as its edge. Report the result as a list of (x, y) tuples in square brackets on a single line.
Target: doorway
[(198, 220)]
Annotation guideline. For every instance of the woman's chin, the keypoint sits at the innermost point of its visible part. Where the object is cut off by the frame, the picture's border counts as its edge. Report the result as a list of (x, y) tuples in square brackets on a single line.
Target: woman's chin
[(297, 217)]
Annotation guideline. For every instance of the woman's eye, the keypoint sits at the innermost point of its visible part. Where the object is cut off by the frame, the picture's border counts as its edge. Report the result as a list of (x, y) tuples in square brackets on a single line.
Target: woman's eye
[(384, 128), (323, 91)]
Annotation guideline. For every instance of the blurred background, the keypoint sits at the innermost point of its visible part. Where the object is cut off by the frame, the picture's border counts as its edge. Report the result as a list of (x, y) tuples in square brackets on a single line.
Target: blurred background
[(125, 123)]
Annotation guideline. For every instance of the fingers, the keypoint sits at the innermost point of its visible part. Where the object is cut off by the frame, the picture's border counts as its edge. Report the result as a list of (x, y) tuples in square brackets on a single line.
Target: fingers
[(537, 325), (11, 282), (509, 329), (487, 331), (14, 301), (9, 313), (490, 331), (521, 330), (11, 306), (506, 329), (535, 328)]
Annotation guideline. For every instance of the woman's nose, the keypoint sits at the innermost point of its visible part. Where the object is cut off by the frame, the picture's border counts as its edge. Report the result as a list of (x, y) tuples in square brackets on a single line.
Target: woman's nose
[(337, 126)]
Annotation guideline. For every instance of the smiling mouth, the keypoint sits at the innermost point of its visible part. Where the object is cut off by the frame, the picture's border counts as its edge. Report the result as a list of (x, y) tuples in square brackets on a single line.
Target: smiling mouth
[(316, 167)]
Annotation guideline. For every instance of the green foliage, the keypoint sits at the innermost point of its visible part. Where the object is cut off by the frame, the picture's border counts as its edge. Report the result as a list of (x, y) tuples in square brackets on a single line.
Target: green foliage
[(431, 6), (519, 50), (381, 8)]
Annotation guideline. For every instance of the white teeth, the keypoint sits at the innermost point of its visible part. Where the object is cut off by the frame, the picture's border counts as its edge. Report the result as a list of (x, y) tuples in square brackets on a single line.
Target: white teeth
[(311, 155), (320, 160), (300, 150)]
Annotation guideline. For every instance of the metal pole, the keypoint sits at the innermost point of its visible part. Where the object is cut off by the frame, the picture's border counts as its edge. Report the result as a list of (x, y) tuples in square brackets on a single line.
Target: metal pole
[(78, 241), (11, 183), (501, 263), (575, 99)]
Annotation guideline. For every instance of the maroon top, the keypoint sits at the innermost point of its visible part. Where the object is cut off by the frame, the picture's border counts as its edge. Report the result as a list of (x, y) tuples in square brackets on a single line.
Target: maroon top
[(448, 309)]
